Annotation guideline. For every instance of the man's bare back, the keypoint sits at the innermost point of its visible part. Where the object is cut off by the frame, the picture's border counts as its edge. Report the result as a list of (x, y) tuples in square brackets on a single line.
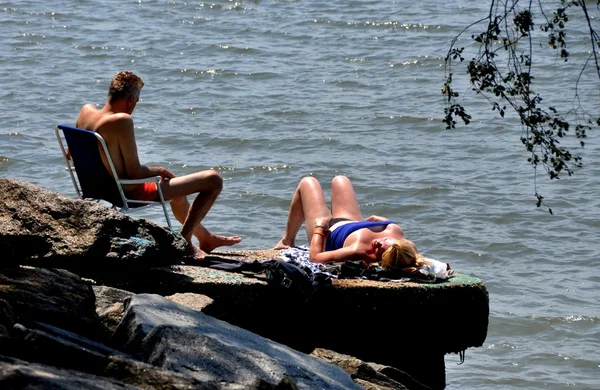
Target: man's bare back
[(116, 129), (115, 124)]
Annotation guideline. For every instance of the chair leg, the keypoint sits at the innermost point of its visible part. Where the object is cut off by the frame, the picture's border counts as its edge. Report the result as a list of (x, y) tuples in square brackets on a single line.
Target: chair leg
[(162, 203), (167, 216)]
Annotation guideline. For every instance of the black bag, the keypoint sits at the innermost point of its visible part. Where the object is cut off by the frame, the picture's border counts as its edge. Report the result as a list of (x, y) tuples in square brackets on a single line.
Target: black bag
[(291, 280)]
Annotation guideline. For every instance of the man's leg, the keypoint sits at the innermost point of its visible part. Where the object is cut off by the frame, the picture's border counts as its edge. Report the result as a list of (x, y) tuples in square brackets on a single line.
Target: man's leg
[(308, 203), (208, 185)]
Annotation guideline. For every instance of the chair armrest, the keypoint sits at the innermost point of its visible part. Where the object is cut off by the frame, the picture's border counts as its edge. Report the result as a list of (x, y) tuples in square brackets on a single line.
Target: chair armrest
[(155, 179)]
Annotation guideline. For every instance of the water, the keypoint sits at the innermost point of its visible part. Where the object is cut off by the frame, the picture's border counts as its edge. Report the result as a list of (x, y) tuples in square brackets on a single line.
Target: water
[(270, 91)]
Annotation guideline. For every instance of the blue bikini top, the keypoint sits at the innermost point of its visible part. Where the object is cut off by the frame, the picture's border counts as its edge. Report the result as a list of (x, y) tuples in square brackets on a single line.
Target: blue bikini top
[(338, 236)]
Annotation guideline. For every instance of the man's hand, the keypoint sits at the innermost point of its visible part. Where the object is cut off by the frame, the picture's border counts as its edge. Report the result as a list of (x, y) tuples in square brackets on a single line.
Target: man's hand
[(166, 174)]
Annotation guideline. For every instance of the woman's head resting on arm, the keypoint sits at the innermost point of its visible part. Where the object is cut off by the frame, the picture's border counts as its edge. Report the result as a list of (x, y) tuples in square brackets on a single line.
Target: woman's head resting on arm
[(401, 254)]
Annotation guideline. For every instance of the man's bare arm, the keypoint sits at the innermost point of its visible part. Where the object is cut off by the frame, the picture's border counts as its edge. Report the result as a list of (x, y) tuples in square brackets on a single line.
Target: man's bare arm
[(133, 168)]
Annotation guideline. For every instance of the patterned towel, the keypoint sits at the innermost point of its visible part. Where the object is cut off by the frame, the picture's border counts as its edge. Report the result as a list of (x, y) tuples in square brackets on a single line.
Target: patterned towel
[(298, 255)]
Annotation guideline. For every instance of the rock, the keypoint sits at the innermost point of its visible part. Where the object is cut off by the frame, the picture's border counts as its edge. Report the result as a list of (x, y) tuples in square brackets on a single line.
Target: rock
[(119, 374), (149, 377), (173, 337), (111, 309), (107, 296), (7, 318), (110, 305), (42, 227), (370, 375), (191, 300), (70, 357), (52, 296), (48, 344), (18, 374)]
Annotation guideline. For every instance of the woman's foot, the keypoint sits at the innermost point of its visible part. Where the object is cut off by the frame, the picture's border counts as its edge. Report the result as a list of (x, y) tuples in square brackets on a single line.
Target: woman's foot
[(284, 244), (214, 241)]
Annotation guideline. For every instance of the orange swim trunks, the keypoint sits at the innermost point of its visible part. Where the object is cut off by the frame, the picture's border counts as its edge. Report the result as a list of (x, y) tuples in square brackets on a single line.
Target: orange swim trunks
[(145, 191)]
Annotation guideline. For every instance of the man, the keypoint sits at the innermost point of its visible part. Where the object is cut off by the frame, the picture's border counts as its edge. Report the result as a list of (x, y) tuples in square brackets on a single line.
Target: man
[(115, 124)]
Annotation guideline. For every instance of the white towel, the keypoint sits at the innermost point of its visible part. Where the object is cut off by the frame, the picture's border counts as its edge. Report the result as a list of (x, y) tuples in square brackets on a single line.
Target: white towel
[(437, 268)]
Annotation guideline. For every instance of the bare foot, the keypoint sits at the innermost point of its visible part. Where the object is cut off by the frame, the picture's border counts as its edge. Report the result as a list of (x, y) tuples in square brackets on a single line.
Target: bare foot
[(215, 241), (196, 252), (283, 244)]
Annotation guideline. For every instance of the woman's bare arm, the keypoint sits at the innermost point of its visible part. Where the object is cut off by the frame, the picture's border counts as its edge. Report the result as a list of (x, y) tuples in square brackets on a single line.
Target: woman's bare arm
[(342, 254)]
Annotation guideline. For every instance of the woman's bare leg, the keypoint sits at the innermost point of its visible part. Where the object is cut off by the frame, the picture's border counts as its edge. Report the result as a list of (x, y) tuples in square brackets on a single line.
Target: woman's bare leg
[(343, 199), (308, 204)]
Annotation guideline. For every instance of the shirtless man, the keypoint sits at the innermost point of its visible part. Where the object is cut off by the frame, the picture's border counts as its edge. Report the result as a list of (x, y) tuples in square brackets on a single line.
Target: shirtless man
[(115, 124)]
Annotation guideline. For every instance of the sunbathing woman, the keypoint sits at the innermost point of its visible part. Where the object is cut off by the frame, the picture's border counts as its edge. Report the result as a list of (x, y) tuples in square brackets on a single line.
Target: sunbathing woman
[(341, 233)]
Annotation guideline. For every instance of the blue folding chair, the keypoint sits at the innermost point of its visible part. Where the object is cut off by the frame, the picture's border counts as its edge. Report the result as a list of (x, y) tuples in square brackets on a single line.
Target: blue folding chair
[(94, 182)]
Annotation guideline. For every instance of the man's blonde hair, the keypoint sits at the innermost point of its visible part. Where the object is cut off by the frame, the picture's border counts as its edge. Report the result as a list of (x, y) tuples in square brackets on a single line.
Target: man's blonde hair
[(401, 254), (124, 85)]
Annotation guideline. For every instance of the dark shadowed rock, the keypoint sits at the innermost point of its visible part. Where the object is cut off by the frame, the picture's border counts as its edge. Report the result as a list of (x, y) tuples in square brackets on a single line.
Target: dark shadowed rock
[(42, 227), (47, 344), (120, 374), (7, 318), (52, 296), (371, 376), (17, 374), (179, 339)]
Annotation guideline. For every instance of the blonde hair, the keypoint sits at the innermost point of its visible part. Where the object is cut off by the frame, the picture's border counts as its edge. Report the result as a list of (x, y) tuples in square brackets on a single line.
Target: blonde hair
[(401, 254), (124, 85)]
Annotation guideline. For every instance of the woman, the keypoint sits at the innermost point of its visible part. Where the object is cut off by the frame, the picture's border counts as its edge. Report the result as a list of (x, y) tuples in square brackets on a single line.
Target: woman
[(341, 233)]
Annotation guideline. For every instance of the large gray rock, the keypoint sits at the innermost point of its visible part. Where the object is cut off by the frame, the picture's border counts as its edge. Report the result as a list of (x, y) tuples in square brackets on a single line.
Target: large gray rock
[(110, 303), (65, 360), (42, 227), (176, 338)]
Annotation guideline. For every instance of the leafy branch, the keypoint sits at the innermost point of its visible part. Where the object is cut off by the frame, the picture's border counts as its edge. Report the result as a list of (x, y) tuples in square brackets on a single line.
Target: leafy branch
[(509, 85)]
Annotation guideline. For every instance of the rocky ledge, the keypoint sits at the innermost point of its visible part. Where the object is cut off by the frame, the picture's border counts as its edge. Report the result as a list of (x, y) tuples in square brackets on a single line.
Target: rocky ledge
[(90, 298)]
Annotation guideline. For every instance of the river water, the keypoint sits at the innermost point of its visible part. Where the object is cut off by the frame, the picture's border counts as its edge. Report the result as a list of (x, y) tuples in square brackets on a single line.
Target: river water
[(267, 92)]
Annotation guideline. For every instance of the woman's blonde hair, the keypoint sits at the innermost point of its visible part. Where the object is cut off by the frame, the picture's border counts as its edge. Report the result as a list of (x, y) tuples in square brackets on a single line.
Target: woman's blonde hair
[(401, 254)]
